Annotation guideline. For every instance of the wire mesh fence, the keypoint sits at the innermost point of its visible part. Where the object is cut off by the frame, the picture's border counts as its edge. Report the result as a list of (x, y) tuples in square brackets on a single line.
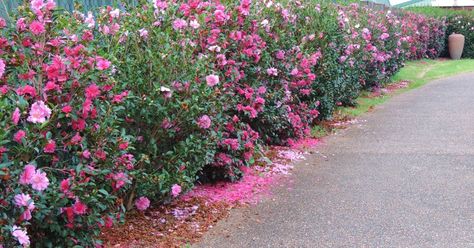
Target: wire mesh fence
[(7, 7)]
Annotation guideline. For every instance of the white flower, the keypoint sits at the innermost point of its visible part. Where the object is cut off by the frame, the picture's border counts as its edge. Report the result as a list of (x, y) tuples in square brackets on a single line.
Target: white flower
[(194, 24), (39, 112), (21, 235), (166, 92), (90, 20), (143, 33), (214, 48), (115, 13), (165, 89)]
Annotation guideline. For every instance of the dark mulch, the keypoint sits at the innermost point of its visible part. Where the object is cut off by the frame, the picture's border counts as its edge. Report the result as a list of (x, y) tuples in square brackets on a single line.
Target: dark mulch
[(172, 225)]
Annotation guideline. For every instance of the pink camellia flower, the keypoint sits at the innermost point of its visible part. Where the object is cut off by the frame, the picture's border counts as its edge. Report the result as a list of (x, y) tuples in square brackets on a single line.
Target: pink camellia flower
[(86, 154), (280, 54), (36, 5), (16, 116), (232, 143), (123, 145), (294, 72), (142, 203), (19, 136), (76, 139), (50, 147), (166, 124), (2, 67), (39, 112), (24, 200), (384, 36), (220, 15), (26, 215), (20, 24), (120, 97), (179, 24), (89, 20), (212, 80), (21, 235), (272, 71), (103, 64), (204, 122), (366, 34), (64, 186), (160, 4), (92, 91), (37, 28), (100, 154), (108, 222), (3, 23), (26, 90), (50, 5), (120, 180), (27, 174), (143, 33), (39, 181), (79, 207), (66, 109), (342, 59), (175, 190)]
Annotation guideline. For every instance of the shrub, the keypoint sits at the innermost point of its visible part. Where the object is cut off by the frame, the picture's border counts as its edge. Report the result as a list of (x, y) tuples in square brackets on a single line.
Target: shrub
[(457, 21), (260, 73), (65, 162), (462, 24)]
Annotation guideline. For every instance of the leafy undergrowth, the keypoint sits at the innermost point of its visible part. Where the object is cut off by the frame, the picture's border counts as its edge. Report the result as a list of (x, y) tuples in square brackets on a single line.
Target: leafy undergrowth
[(187, 218)]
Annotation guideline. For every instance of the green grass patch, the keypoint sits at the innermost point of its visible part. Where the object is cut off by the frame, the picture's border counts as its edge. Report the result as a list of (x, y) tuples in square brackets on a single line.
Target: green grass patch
[(421, 72), (319, 131), (418, 73)]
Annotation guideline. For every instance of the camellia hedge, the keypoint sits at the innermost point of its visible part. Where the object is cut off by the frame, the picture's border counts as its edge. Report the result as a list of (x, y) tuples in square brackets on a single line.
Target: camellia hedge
[(104, 113), (457, 21)]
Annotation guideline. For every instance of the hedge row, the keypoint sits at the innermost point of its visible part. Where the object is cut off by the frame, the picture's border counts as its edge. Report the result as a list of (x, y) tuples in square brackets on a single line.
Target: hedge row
[(457, 21), (103, 113)]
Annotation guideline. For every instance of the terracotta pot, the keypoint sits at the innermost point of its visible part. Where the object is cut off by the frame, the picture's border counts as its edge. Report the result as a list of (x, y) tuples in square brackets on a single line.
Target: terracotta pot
[(456, 45)]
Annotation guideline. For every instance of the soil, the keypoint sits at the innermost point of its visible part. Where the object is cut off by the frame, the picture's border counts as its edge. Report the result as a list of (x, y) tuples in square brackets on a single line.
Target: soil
[(173, 225)]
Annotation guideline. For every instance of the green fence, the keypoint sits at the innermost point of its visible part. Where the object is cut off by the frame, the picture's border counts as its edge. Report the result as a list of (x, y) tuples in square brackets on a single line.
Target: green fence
[(9, 6)]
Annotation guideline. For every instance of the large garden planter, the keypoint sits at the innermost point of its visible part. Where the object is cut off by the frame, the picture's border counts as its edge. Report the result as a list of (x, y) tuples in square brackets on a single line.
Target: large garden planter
[(456, 45)]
